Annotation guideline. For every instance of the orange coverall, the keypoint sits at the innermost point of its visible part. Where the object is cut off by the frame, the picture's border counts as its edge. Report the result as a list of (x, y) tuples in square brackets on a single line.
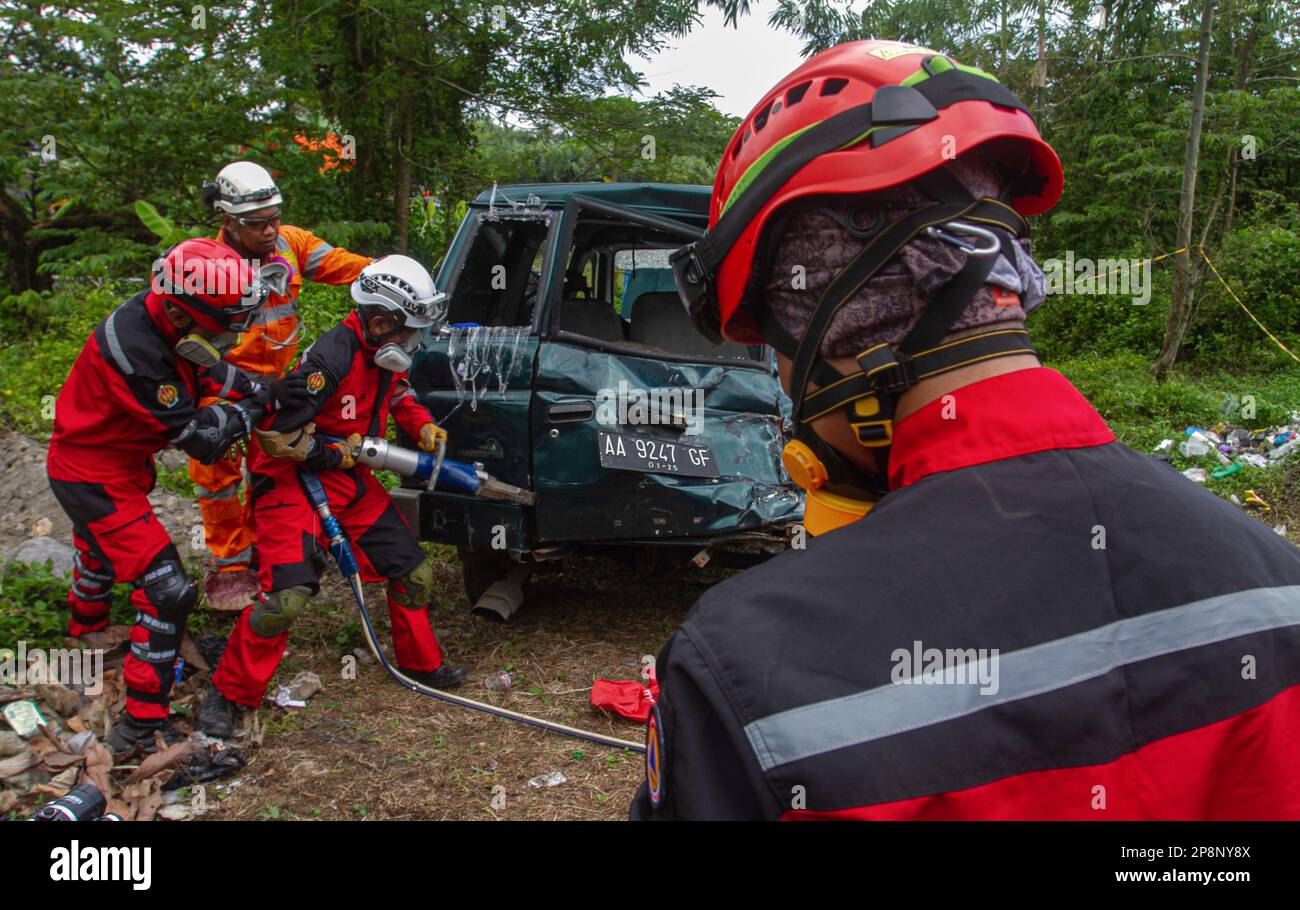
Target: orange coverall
[(263, 354)]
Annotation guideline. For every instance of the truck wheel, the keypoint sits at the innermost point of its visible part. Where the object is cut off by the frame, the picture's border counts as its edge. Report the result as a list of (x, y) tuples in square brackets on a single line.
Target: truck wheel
[(480, 571)]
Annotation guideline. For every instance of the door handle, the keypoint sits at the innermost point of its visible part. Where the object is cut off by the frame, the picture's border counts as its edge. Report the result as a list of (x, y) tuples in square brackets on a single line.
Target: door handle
[(570, 412)]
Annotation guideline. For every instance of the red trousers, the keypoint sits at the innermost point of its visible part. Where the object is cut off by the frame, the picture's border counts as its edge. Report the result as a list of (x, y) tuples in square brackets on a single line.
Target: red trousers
[(292, 550), (118, 537)]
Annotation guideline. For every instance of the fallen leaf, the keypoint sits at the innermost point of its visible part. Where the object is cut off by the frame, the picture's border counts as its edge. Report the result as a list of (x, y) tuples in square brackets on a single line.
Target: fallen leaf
[(145, 798), (99, 761), (77, 725), (162, 760), (17, 764), (57, 761)]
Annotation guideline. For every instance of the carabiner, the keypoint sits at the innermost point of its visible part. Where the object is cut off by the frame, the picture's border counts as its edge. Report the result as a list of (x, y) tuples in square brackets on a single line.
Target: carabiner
[(992, 246)]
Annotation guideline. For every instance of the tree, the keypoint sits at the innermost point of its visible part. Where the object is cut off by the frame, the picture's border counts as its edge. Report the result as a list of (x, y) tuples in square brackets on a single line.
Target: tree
[(1180, 306)]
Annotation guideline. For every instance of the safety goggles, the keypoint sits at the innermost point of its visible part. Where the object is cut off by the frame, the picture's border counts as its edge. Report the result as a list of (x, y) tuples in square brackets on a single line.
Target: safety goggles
[(403, 295), (258, 224), (240, 318)]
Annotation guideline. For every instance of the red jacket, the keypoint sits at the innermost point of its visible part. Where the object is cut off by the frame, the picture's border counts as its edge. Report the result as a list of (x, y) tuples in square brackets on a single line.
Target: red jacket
[(349, 393), (129, 395), (1036, 623)]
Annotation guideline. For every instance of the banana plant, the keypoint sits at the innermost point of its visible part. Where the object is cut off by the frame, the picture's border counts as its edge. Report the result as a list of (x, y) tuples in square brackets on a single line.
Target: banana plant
[(169, 234)]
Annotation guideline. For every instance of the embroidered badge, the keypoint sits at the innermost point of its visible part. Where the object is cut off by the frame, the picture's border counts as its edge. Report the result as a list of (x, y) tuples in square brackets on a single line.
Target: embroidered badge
[(315, 382), (167, 395), (654, 748)]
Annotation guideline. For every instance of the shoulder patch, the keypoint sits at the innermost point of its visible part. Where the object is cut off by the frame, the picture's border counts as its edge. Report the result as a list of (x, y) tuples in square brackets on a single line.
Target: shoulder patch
[(654, 758), (315, 382), (168, 395)]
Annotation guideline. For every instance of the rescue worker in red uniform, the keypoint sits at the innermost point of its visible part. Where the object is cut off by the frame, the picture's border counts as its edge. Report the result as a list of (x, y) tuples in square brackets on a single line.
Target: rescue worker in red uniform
[(1004, 612), (355, 376), (249, 202), (133, 390)]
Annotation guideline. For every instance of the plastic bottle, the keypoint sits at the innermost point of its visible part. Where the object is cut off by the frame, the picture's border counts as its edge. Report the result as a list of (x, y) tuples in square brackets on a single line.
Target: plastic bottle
[(498, 681)]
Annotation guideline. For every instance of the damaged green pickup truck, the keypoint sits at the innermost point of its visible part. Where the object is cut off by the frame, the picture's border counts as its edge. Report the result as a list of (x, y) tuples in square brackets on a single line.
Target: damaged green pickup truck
[(568, 367)]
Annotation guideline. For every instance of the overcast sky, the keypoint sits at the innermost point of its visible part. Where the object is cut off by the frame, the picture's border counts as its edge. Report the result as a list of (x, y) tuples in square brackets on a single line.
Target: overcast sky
[(737, 63)]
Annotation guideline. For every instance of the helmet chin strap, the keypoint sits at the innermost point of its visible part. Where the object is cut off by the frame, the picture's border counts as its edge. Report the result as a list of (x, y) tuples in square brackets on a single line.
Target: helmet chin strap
[(840, 492)]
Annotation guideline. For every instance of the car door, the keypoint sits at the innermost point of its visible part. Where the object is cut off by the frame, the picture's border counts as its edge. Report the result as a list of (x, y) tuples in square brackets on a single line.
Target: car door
[(699, 457)]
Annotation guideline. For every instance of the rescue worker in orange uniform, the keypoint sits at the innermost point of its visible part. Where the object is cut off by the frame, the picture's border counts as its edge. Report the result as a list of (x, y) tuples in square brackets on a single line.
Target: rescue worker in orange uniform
[(249, 202)]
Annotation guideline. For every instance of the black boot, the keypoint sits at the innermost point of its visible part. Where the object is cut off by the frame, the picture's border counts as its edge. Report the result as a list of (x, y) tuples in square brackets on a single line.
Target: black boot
[(444, 677), (216, 715), (130, 732)]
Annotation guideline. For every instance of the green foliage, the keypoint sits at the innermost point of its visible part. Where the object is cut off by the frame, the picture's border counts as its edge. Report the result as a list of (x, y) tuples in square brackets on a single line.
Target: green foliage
[(41, 335), (34, 605), (167, 232)]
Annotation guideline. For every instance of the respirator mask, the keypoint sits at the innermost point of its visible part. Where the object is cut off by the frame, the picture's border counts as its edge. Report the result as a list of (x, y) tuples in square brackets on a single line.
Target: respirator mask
[(397, 357)]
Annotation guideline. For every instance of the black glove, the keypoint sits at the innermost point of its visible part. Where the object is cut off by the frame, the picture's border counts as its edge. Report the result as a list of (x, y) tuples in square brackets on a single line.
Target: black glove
[(284, 394)]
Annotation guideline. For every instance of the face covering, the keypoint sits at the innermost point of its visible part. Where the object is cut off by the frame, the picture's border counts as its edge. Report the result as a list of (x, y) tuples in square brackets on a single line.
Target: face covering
[(206, 352), (396, 358)]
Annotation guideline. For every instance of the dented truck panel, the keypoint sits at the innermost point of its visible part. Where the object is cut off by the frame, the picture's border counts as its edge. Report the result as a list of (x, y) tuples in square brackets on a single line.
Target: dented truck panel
[(742, 421), (520, 395)]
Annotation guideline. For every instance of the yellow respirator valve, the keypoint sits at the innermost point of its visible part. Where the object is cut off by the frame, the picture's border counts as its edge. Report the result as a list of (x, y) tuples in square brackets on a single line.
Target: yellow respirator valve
[(823, 511)]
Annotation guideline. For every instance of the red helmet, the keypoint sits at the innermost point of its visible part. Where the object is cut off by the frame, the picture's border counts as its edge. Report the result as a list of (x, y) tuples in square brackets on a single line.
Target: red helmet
[(859, 117), (212, 283)]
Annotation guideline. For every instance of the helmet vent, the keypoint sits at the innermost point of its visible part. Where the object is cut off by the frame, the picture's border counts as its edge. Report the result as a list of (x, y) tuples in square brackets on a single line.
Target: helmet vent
[(833, 86), (795, 95), (761, 120)]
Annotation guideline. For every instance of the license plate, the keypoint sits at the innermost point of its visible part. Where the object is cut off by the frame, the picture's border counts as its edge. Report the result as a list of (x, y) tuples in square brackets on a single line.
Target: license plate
[(625, 452)]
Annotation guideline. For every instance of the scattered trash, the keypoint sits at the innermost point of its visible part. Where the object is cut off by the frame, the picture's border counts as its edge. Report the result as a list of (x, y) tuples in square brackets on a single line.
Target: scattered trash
[(1236, 448), (554, 779), (24, 717), (498, 681), (1254, 499), (204, 767), (627, 698), (42, 528), (283, 698), (1198, 475), (305, 685), (1280, 530)]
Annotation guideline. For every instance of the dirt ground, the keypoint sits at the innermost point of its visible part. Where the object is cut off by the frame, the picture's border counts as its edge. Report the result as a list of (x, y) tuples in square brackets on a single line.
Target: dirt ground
[(366, 747)]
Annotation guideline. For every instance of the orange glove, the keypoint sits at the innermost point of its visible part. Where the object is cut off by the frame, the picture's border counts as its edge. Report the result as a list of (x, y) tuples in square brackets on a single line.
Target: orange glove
[(430, 435)]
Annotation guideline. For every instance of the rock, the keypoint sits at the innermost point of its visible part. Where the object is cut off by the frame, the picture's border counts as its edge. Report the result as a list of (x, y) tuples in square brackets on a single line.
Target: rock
[(42, 528), (11, 743), (305, 685), (38, 550)]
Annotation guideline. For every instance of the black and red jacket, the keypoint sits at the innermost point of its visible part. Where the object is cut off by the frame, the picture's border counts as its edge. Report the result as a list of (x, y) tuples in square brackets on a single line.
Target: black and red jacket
[(348, 393), (1147, 638), (129, 395)]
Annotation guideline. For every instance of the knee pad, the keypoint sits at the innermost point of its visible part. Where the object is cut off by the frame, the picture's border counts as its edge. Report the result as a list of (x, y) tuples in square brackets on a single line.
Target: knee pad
[(274, 616), (172, 595), (418, 584)]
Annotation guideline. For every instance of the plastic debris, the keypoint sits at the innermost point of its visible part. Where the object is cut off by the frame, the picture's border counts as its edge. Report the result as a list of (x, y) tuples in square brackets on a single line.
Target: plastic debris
[(1254, 499), (24, 717), (1198, 475), (498, 681), (554, 779), (1164, 446)]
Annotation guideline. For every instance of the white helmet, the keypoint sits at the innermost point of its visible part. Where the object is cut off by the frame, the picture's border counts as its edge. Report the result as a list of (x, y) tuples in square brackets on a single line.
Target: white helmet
[(242, 187), (401, 285)]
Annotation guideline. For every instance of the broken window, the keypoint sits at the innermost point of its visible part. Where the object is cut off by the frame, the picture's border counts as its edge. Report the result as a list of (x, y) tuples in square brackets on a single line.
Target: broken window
[(499, 279)]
